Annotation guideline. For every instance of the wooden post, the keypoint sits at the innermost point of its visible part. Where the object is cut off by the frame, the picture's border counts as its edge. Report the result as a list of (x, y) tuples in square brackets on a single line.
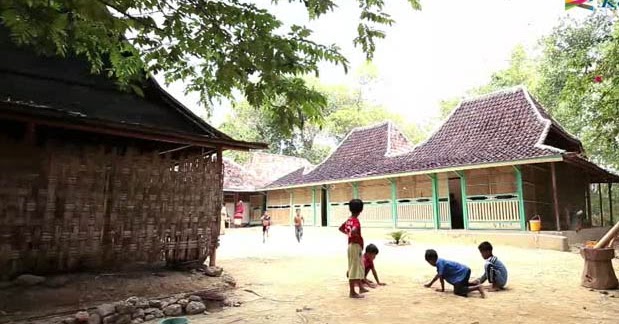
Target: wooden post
[(610, 202), (328, 202), (588, 201), (520, 188), (435, 203), (394, 202), (601, 205), (212, 259), (555, 197), (314, 204), (355, 190), (31, 134), (291, 207), (465, 209)]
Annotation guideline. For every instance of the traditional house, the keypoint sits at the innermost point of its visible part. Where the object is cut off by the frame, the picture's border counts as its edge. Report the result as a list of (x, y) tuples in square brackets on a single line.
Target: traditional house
[(91, 177), (496, 162), (245, 182)]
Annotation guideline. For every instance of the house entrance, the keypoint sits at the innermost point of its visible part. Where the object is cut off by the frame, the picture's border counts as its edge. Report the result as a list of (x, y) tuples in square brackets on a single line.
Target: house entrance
[(455, 203)]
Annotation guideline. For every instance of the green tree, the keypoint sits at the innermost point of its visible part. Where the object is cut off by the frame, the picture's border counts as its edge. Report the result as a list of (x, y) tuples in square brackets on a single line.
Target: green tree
[(521, 71), (215, 47)]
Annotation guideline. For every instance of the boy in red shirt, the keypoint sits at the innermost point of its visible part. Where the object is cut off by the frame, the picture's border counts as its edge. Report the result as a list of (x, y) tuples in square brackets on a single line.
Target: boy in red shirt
[(368, 264), (352, 228)]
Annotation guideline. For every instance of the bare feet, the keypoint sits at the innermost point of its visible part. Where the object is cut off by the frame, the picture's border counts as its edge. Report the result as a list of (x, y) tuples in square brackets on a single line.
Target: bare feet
[(362, 290), (355, 295), (481, 291)]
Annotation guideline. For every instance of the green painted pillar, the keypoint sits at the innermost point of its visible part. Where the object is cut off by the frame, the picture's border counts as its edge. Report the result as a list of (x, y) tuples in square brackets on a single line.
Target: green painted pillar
[(314, 204), (435, 203), (520, 189), (355, 190), (394, 202), (465, 210)]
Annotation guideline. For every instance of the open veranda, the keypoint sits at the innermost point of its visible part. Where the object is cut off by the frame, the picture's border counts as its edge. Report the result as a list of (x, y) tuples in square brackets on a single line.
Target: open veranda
[(282, 281)]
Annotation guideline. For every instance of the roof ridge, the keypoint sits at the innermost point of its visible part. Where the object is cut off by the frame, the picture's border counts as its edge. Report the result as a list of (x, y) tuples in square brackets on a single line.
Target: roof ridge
[(393, 127), (372, 126), (508, 90)]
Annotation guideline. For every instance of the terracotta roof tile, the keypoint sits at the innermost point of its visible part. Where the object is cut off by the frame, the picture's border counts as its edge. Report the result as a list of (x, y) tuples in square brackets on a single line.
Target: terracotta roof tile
[(499, 127)]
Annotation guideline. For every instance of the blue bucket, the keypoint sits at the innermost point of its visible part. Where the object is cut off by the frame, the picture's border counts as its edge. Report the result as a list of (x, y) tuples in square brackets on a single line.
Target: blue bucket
[(175, 320)]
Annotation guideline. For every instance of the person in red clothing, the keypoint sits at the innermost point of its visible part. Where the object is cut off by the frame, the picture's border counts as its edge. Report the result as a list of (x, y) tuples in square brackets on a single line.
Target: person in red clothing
[(368, 264), (352, 228)]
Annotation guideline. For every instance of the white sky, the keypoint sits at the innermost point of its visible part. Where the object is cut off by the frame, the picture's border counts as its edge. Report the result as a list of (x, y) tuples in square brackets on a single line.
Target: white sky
[(439, 52)]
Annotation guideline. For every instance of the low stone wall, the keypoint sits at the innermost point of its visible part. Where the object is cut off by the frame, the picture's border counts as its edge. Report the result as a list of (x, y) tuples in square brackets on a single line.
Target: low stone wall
[(526, 240)]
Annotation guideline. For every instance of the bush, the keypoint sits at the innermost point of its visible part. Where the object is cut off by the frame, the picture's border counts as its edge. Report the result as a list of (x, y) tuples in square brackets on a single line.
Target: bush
[(398, 236)]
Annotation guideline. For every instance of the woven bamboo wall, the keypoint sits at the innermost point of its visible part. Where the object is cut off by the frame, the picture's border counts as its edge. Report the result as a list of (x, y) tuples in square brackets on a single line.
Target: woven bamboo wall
[(414, 187), (491, 181), (278, 205), (537, 187), (341, 192), (374, 190), (302, 196), (68, 207)]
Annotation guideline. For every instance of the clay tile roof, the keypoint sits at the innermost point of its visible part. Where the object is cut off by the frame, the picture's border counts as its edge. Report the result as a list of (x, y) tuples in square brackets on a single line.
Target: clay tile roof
[(260, 170), (500, 127)]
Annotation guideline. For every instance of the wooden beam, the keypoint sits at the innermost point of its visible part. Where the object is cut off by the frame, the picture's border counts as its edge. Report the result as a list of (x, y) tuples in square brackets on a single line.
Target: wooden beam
[(610, 202), (555, 195), (521, 211), (601, 205), (588, 200), (435, 203), (31, 133), (394, 202)]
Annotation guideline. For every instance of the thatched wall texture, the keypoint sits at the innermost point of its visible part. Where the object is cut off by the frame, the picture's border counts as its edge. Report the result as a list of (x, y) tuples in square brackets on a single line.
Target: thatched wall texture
[(66, 207)]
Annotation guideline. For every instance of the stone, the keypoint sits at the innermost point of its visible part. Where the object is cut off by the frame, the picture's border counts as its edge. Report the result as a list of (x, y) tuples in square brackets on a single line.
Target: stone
[(124, 319), (82, 316), (56, 282), (149, 317), (227, 303), (69, 320), (29, 280), (106, 310), (125, 308), (195, 307), (237, 304), (183, 302), (173, 310), (138, 313), (142, 303), (229, 280), (94, 318), (132, 300), (158, 313), (213, 271), (110, 319), (195, 298), (155, 303), (137, 321), (150, 310), (206, 313)]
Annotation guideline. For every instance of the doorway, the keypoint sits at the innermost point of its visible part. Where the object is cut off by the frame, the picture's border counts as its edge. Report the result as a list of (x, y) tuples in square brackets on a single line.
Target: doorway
[(455, 203), (323, 208)]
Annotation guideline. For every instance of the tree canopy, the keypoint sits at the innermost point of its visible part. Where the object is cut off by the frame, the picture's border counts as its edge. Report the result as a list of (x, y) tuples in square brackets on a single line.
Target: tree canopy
[(346, 109), (214, 47)]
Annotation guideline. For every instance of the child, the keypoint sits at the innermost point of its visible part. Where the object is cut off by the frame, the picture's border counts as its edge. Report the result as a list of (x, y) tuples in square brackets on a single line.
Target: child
[(494, 270), (298, 225), (368, 264), (454, 273), (266, 223), (352, 228)]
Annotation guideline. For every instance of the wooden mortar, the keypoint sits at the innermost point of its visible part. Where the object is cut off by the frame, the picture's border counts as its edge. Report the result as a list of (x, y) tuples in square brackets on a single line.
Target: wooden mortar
[(598, 272)]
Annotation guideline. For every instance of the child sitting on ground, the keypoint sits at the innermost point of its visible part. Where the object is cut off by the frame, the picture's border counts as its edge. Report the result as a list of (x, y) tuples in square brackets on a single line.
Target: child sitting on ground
[(454, 273), (368, 264), (494, 270)]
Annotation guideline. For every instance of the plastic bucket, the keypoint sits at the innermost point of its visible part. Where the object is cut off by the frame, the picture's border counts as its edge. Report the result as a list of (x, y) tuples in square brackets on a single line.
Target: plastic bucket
[(175, 320), (535, 224)]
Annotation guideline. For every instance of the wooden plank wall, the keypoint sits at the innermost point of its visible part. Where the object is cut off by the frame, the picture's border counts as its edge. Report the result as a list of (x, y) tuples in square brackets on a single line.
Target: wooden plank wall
[(278, 206)]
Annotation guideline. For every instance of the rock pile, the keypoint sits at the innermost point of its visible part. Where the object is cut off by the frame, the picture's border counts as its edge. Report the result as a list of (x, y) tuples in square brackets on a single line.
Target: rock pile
[(137, 310)]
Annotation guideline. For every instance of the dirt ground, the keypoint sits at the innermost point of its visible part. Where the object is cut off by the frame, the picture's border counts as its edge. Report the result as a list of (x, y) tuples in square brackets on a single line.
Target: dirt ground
[(306, 283)]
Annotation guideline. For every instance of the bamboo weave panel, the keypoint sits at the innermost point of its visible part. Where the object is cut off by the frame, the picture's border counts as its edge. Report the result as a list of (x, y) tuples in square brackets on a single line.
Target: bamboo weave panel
[(93, 207)]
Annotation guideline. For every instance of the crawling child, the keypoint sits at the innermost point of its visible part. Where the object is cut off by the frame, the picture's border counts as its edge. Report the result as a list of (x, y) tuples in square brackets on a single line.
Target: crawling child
[(454, 273)]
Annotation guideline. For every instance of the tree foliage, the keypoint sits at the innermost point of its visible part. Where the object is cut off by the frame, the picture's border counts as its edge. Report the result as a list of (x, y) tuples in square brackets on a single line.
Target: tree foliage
[(214, 47), (346, 109)]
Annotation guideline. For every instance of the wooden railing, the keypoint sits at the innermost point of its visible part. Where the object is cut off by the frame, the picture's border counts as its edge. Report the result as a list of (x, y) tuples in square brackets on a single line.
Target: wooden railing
[(307, 211), (493, 212), (445, 214), (415, 213)]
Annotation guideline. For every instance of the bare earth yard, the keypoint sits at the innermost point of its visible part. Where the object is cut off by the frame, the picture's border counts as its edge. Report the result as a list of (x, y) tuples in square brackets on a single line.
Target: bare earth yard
[(306, 283)]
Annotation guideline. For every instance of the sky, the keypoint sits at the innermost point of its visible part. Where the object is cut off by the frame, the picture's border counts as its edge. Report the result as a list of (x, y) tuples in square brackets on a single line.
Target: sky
[(437, 53)]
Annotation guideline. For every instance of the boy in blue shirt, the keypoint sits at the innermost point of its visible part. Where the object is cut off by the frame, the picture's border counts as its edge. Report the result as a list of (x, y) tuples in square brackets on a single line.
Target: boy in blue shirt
[(494, 270), (454, 273)]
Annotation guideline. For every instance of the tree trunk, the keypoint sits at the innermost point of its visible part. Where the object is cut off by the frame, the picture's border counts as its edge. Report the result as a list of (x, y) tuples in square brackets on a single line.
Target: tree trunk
[(598, 272)]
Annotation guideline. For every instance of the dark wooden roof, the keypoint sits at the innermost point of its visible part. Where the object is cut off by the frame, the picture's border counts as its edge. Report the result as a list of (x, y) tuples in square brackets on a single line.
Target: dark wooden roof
[(64, 88), (503, 127)]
